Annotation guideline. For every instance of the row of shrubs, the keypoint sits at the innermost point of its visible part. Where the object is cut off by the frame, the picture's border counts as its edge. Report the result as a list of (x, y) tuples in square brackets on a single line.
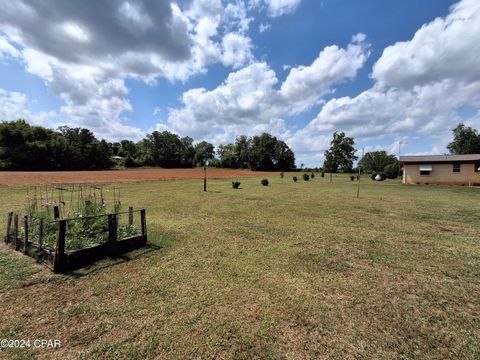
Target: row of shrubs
[(307, 177), (265, 182)]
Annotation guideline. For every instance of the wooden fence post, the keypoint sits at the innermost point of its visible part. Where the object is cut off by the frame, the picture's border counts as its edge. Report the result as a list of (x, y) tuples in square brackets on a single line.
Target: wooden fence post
[(112, 234), (15, 231), (9, 227), (59, 260), (130, 215), (144, 225), (40, 233), (25, 239), (56, 212)]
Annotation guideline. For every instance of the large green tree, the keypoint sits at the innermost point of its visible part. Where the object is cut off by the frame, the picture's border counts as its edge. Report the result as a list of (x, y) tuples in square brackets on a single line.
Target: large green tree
[(376, 161), (466, 140), (263, 152), (204, 151), (168, 150), (228, 158), (242, 151), (341, 154), (270, 154)]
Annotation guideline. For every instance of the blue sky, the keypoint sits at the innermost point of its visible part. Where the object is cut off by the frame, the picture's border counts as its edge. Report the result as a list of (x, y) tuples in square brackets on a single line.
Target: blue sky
[(382, 71)]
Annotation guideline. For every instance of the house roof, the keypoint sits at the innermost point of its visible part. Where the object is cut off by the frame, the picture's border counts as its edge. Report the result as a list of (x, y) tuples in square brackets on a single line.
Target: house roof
[(440, 158)]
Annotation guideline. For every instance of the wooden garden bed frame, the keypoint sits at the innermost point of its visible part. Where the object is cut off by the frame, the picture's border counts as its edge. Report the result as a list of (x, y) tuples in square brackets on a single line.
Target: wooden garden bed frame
[(61, 261)]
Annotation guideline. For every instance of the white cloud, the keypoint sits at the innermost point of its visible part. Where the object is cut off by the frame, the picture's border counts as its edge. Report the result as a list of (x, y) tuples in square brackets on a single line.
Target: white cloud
[(249, 100), (14, 105), (85, 51), (281, 7), (419, 86), (305, 84), (7, 49), (236, 50), (264, 27), (446, 48)]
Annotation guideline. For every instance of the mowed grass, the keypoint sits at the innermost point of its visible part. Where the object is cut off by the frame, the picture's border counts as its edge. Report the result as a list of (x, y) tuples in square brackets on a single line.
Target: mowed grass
[(292, 270)]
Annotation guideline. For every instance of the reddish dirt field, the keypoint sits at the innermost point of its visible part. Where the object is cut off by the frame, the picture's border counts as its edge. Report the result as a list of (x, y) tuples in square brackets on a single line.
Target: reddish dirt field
[(12, 178)]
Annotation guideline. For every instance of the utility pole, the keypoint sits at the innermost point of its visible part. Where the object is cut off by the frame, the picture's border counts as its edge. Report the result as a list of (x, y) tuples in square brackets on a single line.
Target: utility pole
[(359, 174)]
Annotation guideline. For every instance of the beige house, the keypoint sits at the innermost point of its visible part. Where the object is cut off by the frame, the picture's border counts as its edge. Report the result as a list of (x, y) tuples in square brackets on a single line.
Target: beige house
[(441, 169)]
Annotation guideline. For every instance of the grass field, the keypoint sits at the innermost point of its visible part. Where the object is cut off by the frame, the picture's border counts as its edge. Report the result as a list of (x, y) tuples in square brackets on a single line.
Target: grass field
[(294, 270)]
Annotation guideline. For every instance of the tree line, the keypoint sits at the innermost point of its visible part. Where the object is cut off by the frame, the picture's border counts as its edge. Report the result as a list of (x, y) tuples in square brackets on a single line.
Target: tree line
[(27, 147)]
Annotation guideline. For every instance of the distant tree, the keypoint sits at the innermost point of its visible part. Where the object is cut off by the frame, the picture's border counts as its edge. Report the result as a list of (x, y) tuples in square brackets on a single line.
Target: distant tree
[(284, 158), (262, 152), (115, 148), (242, 151), (187, 152), (168, 150), (341, 155), (24, 147), (227, 155), (84, 151), (376, 161), (466, 140), (392, 170), (128, 148), (270, 154), (204, 151)]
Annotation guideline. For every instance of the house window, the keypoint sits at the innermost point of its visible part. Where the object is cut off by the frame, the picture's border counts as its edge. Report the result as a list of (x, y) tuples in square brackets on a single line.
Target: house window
[(456, 168), (425, 169)]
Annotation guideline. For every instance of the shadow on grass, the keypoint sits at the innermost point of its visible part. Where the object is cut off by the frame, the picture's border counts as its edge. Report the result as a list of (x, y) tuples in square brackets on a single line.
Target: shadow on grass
[(144, 252)]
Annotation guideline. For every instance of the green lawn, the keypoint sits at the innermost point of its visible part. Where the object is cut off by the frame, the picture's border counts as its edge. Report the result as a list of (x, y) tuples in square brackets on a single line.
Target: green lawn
[(293, 270)]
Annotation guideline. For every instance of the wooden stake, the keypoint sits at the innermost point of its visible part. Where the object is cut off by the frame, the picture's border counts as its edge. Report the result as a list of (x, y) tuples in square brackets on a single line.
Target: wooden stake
[(15, 231), (56, 213), (130, 215), (143, 217), (112, 234), (40, 233), (25, 239), (9, 227), (59, 260)]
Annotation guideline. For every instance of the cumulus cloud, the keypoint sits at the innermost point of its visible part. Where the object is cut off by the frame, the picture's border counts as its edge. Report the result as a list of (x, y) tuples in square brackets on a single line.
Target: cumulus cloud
[(420, 85), (84, 51), (7, 49), (446, 48), (14, 105), (305, 84), (249, 98), (281, 7)]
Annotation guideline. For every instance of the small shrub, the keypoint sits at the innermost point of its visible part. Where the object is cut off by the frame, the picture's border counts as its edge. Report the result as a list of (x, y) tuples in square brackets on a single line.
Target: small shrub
[(352, 177), (235, 184), (264, 182), (295, 179), (306, 177), (312, 175), (322, 174)]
